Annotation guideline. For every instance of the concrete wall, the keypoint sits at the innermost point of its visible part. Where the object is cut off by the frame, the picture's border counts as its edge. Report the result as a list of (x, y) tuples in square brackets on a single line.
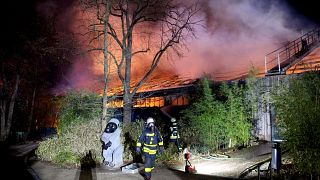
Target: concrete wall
[(265, 126)]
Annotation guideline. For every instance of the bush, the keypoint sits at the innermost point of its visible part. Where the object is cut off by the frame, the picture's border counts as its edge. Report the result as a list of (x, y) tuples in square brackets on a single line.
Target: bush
[(298, 114), (237, 123), (204, 119), (79, 131), (169, 157), (78, 107), (69, 148), (214, 123), (129, 135)]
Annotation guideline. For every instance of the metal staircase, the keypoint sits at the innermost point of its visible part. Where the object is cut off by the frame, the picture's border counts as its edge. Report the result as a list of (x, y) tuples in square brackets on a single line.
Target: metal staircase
[(279, 61)]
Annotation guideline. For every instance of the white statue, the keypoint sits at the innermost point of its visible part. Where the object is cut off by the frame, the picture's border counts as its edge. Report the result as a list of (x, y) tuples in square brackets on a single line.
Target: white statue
[(112, 147)]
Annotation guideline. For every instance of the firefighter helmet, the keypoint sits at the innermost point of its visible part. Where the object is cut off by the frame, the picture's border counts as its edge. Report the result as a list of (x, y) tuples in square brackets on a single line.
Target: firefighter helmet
[(150, 121)]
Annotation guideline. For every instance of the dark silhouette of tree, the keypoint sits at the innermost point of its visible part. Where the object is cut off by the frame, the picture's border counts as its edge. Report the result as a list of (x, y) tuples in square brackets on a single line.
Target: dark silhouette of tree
[(32, 58)]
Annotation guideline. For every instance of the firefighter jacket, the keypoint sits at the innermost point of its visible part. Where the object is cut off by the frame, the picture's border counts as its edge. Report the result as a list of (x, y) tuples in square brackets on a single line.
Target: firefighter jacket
[(174, 131), (150, 141)]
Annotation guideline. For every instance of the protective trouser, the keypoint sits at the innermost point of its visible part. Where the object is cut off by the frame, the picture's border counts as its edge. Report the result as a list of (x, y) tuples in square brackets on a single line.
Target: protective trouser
[(149, 164), (174, 138)]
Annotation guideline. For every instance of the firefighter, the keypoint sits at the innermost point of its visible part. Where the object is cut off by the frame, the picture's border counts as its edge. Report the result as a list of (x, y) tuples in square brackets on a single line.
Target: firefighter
[(112, 147), (174, 136), (150, 141)]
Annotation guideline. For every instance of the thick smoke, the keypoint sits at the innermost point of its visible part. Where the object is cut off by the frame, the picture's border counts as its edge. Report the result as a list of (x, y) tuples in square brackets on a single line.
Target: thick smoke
[(234, 35), (237, 34)]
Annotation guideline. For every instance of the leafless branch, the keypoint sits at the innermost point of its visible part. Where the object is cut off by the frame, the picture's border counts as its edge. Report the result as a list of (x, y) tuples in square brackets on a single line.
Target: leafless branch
[(118, 66), (113, 33)]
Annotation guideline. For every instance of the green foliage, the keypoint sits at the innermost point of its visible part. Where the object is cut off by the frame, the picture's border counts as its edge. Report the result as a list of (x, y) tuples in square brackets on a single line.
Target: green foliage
[(68, 149), (206, 116), (237, 124), (253, 91), (169, 157), (129, 136), (298, 113), (78, 107), (212, 122), (79, 132), (66, 158)]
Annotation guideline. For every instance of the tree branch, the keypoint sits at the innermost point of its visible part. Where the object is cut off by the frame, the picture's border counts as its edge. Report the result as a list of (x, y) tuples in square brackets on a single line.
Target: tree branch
[(113, 33), (118, 66), (141, 51)]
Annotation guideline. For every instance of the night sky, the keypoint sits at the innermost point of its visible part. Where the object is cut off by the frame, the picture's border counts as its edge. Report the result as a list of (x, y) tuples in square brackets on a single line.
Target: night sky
[(308, 8), (16, 16)]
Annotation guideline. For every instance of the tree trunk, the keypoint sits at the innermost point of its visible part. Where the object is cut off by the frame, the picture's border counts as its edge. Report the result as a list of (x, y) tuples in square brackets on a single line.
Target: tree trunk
[(127, 108), (3, 104), (11, 105), (105, 68), (31, 110), (127, 97), (104, 112)]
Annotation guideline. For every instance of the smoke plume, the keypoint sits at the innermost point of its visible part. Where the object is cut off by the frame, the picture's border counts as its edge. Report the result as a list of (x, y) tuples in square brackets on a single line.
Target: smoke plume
[(234, 35), (238, 34)]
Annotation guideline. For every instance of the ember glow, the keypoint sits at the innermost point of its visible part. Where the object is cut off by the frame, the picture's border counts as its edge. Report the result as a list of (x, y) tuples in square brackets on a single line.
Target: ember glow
[(234, 35)]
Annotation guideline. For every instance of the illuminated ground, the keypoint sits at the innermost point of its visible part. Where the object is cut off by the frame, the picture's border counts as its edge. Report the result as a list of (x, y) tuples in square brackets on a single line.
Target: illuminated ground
[(214, 168), (233, 166)]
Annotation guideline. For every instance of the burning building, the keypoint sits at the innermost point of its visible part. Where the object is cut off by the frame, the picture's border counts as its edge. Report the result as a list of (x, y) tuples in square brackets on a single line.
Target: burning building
[(236, 34), (174, 91), (158, 93)]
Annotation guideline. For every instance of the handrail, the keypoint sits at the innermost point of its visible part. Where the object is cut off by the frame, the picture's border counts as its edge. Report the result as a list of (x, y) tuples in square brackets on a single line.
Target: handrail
[(298, 39), (291, 51), (253, 167)]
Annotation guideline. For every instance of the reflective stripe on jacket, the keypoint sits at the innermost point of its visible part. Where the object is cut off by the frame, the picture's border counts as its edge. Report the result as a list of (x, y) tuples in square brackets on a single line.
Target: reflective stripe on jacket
[(150, 141)]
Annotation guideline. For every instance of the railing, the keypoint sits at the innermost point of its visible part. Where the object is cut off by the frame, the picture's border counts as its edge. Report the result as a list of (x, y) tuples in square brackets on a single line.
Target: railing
[(277, 61), (257, 167), (267, 173)]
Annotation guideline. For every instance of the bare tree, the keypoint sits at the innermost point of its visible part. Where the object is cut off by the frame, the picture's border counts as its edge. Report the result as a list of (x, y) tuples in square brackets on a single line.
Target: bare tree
[(132, 28), (7, 100), (98, 29)]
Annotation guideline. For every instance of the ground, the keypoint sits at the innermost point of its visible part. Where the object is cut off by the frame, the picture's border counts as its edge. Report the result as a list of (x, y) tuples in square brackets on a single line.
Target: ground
[(207, 168)]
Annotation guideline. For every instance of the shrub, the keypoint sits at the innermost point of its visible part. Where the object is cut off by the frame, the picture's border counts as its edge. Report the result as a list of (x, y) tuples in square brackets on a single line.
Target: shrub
[(69, 148), (79, 131), (130, 134), (78, 107), (212, 123), (206, 117), (298, 113), (237, 122), (169, 157)]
